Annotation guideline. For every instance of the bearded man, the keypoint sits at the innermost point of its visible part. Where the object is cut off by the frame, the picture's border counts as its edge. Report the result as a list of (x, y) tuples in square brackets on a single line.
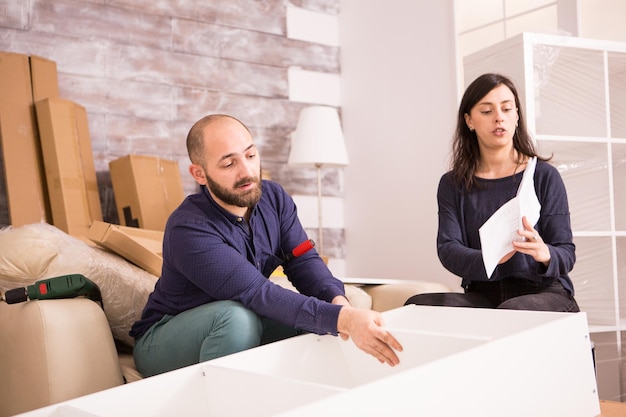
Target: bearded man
[(220, 246)]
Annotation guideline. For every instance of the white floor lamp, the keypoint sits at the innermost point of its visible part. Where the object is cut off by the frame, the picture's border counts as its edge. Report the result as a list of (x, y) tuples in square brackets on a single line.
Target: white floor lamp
[(318, 141)]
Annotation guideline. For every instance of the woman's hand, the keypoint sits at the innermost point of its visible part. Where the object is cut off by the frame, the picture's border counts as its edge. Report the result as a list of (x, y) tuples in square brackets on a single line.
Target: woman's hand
[(532, 244)]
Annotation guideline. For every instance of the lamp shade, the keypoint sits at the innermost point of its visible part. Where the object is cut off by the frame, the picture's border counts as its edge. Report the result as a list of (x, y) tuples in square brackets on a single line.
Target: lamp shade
[(318, 138)]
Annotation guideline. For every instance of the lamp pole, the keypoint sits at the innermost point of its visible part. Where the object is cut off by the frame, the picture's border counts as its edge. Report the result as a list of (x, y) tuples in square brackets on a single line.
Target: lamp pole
[(319, 208), (318, 141)]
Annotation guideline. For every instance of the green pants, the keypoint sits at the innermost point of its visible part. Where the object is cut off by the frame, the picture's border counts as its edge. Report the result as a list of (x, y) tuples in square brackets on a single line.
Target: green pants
[(203, 333)]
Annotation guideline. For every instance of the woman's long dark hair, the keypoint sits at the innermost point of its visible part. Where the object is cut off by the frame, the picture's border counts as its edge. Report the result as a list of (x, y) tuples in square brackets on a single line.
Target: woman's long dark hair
[(465, 151)]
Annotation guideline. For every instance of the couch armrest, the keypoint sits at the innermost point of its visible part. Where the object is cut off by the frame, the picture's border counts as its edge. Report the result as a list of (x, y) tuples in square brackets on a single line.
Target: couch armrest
[(389, 296), (52, 351)]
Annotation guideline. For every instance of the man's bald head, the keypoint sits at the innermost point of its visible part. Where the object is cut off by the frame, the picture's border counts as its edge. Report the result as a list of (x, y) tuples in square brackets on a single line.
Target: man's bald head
[(195, 137)]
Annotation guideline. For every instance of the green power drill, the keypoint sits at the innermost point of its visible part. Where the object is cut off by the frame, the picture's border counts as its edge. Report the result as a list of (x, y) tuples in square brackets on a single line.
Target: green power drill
[(65, 286)]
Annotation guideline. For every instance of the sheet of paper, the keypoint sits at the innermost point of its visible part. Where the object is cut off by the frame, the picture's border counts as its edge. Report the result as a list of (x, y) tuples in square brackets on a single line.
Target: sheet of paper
[(529, 203), (500, 230)]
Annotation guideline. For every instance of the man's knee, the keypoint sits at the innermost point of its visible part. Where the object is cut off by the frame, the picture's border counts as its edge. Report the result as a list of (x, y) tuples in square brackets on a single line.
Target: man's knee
[(238, 319), (234, 329), (202, 333)]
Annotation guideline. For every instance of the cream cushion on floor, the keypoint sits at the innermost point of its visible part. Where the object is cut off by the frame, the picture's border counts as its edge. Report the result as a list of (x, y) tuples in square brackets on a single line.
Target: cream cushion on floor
[(387, 297)]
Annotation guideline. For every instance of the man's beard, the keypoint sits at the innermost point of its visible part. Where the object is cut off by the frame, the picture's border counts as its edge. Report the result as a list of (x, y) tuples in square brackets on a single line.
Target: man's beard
[(249, 199)]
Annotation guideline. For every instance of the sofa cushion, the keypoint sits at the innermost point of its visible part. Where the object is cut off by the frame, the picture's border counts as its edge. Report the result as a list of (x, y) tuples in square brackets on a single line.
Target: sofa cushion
[(389, 296), (25, 252)]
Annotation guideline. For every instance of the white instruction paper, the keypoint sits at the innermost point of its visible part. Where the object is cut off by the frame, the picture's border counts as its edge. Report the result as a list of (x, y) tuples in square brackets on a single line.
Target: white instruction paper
[(500, 230)]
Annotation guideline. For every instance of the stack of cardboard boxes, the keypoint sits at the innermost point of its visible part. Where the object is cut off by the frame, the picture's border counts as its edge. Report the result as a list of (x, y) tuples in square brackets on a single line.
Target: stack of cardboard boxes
[(48, 175), (23, 81)]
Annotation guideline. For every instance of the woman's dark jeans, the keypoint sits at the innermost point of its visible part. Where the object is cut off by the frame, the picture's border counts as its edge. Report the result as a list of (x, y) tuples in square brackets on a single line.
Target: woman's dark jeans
[(511, 294)]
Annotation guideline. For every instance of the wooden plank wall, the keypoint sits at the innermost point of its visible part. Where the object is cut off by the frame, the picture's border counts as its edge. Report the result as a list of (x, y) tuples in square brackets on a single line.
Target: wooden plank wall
[(145, 70)]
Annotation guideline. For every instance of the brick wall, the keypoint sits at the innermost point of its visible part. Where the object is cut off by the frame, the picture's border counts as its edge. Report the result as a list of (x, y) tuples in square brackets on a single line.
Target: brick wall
[(145, 70)]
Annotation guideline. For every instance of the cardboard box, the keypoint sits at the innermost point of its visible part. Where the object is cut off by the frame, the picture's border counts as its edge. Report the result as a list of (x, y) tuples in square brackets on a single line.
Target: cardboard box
[(140, 246), (86, 159), (4, 202), (68, 163), (612, 408), (147, 189), (44, 78), (23, 174)]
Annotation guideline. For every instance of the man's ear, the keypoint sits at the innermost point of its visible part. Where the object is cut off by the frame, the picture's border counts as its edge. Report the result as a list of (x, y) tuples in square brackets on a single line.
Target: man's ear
[(198, 174)]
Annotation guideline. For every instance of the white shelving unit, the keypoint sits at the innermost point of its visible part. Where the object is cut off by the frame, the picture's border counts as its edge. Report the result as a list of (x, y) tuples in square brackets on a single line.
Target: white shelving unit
[(573, 92), (452, 365)]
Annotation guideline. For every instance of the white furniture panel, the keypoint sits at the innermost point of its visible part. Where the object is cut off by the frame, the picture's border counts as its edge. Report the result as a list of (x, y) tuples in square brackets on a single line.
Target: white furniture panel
[(456, 362)]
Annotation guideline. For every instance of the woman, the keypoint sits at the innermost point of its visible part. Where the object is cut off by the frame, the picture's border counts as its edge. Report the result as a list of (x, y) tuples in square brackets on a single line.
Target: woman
[(491, 149)]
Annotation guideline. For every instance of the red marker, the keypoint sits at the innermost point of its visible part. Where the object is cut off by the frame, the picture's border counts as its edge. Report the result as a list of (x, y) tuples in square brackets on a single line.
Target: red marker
[(300, 250)]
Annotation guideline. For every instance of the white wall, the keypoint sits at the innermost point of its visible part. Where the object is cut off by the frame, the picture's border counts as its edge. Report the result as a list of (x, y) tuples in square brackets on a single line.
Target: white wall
[(398, 81), (603, 19)]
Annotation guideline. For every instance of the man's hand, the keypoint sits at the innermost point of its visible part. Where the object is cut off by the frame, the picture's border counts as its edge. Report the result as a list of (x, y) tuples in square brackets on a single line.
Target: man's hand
[(365, 329)]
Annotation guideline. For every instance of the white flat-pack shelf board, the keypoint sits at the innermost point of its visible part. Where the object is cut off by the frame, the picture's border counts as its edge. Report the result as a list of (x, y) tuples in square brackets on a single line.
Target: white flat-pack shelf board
[(456, 362)]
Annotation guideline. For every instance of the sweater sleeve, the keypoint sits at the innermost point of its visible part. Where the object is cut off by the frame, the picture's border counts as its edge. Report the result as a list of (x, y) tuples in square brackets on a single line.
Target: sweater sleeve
[(554, 225), (454, 246)]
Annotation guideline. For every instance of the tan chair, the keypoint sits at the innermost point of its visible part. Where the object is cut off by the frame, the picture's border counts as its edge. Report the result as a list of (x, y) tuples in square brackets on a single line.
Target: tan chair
[(52, 351)]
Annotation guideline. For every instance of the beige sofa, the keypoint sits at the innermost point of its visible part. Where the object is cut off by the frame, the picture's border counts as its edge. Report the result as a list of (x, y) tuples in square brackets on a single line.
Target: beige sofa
[(55, 350)]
